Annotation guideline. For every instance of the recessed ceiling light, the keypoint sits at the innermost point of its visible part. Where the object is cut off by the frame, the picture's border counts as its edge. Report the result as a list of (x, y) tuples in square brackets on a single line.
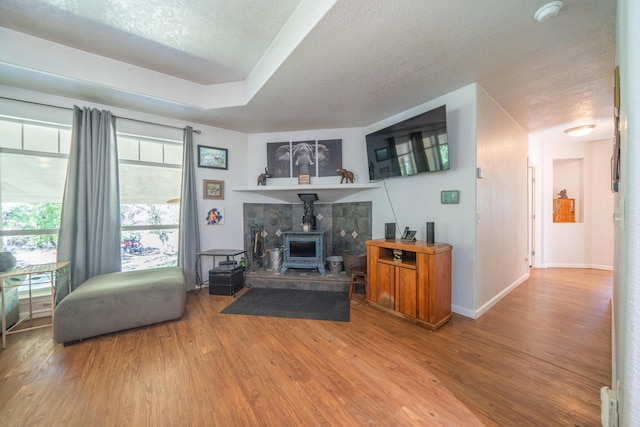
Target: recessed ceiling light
[(548, 11), (580, 130)]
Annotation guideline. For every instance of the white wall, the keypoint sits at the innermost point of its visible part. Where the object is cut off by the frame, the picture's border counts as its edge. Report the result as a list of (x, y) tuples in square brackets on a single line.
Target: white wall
[(501, 238), (626, 309), (229, 234), (416, 200), (589, 243)]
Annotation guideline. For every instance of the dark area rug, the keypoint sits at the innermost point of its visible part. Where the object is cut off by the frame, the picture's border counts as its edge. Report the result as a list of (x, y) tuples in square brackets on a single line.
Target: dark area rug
[(293, 303)]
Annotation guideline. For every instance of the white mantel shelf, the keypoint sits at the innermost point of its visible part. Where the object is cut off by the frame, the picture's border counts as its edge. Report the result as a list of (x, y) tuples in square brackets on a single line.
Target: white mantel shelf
[(327, 193)]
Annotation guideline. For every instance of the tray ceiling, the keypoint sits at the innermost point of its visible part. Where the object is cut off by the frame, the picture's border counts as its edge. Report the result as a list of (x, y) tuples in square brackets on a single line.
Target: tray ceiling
[(283, 65)]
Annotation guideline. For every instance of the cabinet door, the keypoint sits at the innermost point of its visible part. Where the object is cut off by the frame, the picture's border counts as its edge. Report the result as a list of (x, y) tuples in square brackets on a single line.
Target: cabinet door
[(440, 287), (385, 289), (406, 285), (435, 288)]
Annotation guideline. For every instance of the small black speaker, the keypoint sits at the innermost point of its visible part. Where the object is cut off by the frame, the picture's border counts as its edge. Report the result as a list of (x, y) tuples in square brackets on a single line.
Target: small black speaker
[(390, 230), (431, 232)]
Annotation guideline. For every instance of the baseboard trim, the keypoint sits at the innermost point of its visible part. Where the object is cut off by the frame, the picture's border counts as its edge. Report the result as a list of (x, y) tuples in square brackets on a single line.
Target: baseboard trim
[(493, 301), (463, 311), (589, 266)]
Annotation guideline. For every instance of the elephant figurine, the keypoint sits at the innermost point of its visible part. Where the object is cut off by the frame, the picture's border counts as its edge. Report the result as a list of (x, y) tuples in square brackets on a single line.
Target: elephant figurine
[(262, 178), (347, 176)]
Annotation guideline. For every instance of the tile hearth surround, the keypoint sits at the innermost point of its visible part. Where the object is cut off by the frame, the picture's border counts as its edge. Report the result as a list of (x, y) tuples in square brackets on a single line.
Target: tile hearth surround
[(347, 226)]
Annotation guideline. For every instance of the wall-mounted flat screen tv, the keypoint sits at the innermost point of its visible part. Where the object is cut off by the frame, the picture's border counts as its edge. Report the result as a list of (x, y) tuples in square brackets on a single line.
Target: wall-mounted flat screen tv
[(412, 146)]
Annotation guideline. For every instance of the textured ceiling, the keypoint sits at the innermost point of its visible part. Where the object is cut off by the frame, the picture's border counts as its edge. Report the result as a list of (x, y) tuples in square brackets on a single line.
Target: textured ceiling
[(207, 42), (280, 65)]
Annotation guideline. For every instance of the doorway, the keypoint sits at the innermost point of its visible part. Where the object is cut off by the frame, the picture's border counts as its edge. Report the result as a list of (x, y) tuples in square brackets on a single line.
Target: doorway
[(531, 215)]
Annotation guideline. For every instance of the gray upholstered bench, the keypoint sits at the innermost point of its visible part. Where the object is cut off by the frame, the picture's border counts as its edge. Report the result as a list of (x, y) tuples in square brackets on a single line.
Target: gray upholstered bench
[(116, 301)]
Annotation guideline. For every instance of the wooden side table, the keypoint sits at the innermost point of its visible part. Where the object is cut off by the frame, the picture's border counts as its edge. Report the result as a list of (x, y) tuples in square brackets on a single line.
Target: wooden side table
[(59, 274)]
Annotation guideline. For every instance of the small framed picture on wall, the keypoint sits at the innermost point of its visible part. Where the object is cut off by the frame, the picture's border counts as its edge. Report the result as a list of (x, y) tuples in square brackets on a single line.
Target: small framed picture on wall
[(213, 190)]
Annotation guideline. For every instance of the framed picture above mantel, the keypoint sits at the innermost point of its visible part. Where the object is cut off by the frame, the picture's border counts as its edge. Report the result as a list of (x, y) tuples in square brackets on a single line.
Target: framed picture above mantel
[(304, 158)]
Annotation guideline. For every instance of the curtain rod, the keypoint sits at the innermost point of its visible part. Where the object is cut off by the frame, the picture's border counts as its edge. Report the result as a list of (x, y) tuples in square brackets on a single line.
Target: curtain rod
[(198, 131)]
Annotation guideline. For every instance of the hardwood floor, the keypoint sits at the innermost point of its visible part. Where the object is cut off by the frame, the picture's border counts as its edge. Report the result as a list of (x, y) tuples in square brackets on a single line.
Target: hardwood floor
[(538, 358)]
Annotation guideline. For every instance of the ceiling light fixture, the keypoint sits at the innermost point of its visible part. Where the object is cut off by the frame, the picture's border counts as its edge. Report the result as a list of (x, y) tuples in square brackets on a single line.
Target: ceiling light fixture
[(580, 130), (548, 11)]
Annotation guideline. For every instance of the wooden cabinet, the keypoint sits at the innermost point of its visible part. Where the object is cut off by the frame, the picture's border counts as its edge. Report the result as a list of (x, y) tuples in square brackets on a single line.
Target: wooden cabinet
[(416, 287), (564, 210)]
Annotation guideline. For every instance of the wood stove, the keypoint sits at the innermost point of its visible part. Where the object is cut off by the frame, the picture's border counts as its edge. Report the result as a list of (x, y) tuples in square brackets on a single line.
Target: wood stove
[(303, 250)]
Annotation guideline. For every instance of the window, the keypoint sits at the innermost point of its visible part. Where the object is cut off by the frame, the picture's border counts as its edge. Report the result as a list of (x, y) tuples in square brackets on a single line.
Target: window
[(33, 164), (150, 179)]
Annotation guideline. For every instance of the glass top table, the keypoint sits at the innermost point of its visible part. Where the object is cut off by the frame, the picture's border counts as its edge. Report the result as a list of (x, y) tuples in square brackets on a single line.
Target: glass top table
[(222, 252), (56, 274)]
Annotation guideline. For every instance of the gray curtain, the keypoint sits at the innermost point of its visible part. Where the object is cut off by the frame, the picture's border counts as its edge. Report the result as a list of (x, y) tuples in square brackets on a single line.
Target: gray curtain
[(89, 233), (189, 244)]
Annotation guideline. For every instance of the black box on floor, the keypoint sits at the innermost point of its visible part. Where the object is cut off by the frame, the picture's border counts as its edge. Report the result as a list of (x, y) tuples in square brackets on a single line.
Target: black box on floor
[(226, 280)]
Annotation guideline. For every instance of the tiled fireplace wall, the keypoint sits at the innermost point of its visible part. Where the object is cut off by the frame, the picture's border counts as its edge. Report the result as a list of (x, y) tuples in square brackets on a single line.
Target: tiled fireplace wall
[(347, 226)]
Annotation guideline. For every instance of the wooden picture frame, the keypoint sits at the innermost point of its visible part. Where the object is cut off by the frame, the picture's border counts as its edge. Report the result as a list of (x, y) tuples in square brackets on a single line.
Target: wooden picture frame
[(213, 157), (212, 189)]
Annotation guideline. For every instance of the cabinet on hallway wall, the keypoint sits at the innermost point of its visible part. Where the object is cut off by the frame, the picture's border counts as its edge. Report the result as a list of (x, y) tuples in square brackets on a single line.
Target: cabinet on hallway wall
[(564, 210)]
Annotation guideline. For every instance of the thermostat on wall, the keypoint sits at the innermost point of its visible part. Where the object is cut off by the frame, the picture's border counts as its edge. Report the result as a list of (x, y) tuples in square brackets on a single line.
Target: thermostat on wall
[(450, 197)]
